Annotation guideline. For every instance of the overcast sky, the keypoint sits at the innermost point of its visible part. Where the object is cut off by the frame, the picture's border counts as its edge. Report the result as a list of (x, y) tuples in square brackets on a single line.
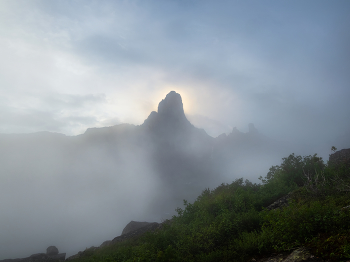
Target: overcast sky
[(282, 65)]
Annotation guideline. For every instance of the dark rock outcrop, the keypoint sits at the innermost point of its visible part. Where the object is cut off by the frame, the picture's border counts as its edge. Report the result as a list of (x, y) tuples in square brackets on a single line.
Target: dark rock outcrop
[(298, 255), (133, 225), (281, 202), (60, 256), (52, 251), (136, 232), (170, 124), (339, 158), (172, 106), (39, 257), (51, 255)]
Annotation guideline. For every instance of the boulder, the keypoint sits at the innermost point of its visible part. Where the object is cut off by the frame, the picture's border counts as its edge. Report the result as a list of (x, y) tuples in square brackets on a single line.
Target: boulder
[(51, 250), (298, 255), (282, 202)]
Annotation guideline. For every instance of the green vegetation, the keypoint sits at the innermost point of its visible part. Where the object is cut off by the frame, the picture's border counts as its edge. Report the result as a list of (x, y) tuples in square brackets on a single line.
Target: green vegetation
[(230, 223), (333, 149)]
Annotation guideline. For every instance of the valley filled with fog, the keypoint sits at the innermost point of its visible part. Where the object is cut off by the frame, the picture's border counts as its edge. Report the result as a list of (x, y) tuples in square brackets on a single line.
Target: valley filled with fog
[(78, 191)]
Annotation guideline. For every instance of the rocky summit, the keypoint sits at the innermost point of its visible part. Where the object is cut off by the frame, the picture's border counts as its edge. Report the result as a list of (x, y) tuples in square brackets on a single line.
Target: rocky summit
[(172, 106), (170, 117)]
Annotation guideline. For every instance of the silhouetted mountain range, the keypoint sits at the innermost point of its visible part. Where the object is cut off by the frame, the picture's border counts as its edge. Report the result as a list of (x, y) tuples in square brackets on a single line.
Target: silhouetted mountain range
[(182, 156)]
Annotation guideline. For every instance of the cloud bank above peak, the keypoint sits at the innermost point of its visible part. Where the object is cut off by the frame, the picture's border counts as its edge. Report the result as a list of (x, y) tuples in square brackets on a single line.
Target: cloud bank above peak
[(282, 66)]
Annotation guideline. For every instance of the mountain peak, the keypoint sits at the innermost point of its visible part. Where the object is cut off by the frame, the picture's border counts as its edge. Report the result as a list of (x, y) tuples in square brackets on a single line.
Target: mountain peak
[(171, 105), (170, 113)]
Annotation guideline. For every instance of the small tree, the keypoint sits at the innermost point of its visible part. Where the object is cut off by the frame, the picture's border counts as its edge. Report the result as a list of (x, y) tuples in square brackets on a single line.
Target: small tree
[(315, 182), (291, 171), (333, 149)]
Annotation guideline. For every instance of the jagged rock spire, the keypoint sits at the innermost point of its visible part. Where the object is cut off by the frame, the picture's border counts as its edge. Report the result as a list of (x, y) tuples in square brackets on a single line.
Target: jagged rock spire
[(170, 113), (171, 105)]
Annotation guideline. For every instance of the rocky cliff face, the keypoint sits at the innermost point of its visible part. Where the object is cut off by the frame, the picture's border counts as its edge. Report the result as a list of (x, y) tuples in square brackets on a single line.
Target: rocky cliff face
[(172, 107), (170, 112), (341, 157), (170, 126)]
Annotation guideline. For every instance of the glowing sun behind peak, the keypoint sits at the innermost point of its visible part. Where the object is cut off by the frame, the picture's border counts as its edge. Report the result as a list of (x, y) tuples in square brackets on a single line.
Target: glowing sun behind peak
[(186, 101)]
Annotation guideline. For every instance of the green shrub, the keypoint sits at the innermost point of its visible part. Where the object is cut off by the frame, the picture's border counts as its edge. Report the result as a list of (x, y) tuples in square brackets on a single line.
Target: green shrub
[(298, 224), (291, 172)]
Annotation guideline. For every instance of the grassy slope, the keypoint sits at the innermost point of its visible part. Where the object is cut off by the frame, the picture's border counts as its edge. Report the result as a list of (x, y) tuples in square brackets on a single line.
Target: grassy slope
[(230, 223)]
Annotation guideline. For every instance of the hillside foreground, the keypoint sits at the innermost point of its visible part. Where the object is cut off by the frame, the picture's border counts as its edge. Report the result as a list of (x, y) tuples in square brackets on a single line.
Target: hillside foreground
[(236, 222)]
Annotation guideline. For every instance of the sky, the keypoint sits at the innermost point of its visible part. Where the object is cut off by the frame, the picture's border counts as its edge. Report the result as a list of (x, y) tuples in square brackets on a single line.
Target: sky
[(282, 65), (66, 66)]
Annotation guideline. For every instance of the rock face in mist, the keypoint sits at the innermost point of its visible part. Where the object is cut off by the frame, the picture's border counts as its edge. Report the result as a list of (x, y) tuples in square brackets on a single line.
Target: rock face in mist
[(170, 112), (172, 106), (181, 153), (169, 125), (170, 118), (133, 225), (341, 157), (52, 251)]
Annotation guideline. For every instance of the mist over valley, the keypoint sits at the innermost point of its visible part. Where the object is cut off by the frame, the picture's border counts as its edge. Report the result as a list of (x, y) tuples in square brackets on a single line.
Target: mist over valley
[(117, 111), (78, 191)]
